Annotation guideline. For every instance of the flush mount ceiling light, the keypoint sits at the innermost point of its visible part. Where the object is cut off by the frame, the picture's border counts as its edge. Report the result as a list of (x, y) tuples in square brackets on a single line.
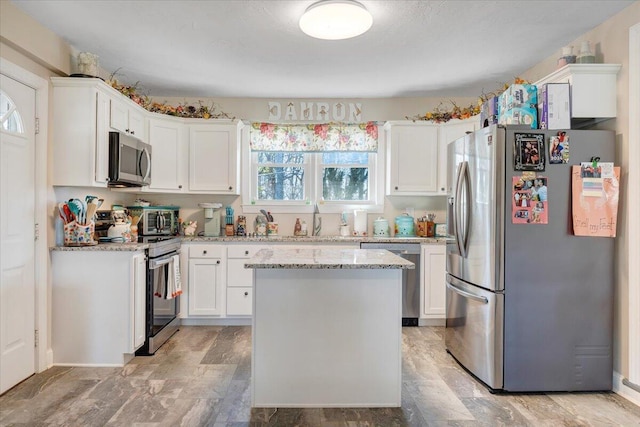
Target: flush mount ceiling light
[(335, 19)]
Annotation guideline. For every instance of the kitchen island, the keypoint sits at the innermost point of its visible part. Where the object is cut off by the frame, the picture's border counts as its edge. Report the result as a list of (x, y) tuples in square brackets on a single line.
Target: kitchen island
[(327, 328)]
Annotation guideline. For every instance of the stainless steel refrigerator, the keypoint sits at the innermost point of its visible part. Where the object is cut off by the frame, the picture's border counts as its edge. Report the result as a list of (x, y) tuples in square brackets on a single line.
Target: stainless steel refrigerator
[(529, 306)]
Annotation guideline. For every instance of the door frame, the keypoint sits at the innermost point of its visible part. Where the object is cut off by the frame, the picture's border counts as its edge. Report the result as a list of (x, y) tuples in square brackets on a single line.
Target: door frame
[(634, 205), (43, 353)]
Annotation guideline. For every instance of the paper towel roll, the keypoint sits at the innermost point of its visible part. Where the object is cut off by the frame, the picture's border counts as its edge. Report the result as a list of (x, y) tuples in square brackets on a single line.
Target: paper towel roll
[(359, 223)]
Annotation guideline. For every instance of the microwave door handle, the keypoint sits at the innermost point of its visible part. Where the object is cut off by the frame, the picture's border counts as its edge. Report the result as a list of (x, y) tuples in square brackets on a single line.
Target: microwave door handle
[(148, 156)]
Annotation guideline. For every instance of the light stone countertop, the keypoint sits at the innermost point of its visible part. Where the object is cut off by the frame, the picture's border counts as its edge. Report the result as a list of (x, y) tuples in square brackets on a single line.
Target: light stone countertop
[(308, 258), (111, 247), (315, 239)]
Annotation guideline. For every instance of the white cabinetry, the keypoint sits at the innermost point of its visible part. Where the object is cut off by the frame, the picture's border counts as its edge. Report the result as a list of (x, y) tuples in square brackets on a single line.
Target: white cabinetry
[(433, 281), (168, 155), (593, 88), (98, 306), (80, 142), (205, 292), (127, 117), (240, 279), (412, 158), (451, 131), (214, 158)]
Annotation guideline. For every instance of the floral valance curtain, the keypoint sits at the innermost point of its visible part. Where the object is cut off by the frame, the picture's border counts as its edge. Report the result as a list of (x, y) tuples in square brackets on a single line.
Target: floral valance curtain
[(314, 137)]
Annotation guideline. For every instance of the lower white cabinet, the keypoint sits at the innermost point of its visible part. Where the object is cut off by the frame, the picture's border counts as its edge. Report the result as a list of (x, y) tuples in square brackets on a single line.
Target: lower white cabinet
[(433, 281), (239, 301), (98, 306), (205, 292), (240, 279)]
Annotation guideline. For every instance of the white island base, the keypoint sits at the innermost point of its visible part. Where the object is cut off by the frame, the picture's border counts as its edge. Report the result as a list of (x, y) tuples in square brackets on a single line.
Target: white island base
[(327, 337)]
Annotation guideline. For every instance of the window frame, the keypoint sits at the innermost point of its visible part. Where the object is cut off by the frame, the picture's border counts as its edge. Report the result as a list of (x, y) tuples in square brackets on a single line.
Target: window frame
[(313, 185)]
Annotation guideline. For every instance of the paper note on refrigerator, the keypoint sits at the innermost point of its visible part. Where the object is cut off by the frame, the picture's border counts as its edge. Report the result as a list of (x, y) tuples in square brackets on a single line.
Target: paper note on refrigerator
[(595, 208)]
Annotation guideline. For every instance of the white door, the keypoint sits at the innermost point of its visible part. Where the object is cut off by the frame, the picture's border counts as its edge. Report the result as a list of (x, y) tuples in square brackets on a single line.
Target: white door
[(17, 219)]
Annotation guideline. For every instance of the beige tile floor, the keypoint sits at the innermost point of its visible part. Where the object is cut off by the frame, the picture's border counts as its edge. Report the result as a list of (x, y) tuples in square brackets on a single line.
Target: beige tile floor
[(201, 378)]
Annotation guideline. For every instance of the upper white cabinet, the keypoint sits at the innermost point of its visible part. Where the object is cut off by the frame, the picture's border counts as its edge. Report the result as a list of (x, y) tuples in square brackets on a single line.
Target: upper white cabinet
[(593, 88), (168, 155), (214, 157), (451, 131), (80, 142), (127, 117), (412, 158)]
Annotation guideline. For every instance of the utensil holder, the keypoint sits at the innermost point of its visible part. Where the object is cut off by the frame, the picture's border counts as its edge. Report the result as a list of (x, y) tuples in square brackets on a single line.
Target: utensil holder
[(79, 235)]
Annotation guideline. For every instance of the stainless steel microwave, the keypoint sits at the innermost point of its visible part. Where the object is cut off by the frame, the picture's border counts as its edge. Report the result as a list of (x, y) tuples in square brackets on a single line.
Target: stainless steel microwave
[(129, 161)]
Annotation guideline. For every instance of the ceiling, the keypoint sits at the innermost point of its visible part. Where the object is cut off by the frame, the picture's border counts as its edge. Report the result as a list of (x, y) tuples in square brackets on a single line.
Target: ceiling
[(251, 48)]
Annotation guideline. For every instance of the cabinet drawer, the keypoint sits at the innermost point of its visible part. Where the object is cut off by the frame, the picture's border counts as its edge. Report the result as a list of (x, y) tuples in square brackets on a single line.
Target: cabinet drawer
[(237, 275), (206, 251), (243, 251), (239, 301)]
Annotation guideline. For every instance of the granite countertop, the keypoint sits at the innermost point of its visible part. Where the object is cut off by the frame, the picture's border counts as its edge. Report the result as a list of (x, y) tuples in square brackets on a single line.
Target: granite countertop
[(327, 259), (316, 239), (111, 247)]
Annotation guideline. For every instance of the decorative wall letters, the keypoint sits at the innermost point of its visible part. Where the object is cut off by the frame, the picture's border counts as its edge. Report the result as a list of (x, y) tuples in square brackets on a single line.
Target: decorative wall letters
[(320, 111)]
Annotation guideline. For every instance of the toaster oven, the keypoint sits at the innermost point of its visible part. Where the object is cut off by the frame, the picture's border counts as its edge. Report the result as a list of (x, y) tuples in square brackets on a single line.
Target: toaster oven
[(156, 220)]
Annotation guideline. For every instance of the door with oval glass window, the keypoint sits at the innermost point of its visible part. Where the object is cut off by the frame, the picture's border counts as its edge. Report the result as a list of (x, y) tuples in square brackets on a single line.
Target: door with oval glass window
[(17, 219)]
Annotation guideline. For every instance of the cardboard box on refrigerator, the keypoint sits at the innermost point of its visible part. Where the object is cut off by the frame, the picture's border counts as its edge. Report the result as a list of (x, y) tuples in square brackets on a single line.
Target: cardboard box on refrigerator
[(554, 106), (518, 105), (489, 112)]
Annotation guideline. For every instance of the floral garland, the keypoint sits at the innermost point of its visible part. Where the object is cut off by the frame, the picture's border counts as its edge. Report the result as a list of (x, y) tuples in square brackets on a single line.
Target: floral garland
[(441, 114), (185, 110)]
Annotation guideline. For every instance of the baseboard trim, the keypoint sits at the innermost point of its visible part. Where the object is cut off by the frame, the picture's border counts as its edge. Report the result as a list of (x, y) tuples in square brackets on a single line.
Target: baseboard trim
[(215, 322), (625, 391), (431, 322)]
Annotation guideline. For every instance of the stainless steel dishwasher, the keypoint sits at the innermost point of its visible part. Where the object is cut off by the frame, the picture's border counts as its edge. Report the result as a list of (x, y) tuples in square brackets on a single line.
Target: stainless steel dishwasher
[(410, 278)]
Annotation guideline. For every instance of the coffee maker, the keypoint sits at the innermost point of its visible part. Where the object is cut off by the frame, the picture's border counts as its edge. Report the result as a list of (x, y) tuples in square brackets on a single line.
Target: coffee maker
[(211, 218)]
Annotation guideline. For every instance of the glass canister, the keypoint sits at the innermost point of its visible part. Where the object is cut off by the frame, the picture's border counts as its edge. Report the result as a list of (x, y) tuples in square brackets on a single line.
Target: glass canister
[(586, 55)]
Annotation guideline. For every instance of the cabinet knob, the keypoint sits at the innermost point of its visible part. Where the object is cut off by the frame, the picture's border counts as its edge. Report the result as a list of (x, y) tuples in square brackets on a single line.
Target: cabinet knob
[(204, 252), (133, 132), (246, 294), (218, 262), (230, 188), (179, 186), (442, 189), (396, 188), (127, 130), (246, 252)]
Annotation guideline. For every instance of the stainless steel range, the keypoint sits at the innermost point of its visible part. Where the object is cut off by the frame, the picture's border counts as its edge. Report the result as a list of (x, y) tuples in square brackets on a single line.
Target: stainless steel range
[(162, 308)]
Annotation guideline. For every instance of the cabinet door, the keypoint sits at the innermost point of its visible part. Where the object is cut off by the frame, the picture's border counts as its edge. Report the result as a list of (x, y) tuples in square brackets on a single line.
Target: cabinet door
[(139, 300), (213, 158), (433, 270), (449, 132), (413, 160), (136, 124), (80, 134), (167, 160), (240, 301), (205, 290), (125, 118)]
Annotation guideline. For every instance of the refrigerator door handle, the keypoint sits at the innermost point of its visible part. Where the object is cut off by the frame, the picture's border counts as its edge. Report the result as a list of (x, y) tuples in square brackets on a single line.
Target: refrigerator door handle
[(467, 212), (461, 234), (468, 295)]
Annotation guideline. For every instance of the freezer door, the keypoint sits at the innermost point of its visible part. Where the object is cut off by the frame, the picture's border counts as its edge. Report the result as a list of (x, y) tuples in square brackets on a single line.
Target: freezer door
[(474, 330), (475, 210)]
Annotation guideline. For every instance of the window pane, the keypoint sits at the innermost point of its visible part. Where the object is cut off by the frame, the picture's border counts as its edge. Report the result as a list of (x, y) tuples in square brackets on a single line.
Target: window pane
[(345, 184), (280, 157), (280, 183), (11, 120), (345, 158)]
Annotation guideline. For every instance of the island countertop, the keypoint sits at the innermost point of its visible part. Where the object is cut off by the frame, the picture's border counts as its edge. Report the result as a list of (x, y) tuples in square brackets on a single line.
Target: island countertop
[(310, 258)]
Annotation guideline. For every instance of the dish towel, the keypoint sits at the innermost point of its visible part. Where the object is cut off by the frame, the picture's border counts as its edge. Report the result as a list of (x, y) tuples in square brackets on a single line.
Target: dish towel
[(174, 284)]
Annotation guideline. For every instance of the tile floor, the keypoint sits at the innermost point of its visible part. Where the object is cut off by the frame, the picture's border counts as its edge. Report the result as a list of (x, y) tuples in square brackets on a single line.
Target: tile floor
[(201, 378)]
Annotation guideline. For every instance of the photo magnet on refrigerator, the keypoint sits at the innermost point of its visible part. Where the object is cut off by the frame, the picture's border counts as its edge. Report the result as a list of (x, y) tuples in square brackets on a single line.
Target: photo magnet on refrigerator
[(559, 148)]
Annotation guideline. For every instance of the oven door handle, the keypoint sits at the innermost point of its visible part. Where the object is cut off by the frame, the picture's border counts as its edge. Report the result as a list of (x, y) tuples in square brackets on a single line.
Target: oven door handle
[(156, 263)]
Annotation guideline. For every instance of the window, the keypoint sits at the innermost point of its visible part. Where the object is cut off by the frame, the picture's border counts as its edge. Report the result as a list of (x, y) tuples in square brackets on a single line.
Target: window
[(289, 169), (10, 119)]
